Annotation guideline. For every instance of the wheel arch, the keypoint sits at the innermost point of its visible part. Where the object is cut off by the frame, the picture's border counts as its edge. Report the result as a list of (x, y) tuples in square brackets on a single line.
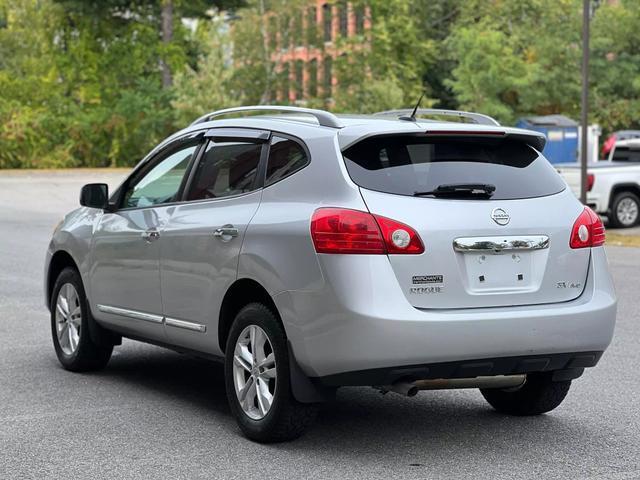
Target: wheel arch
[(242, 292), (59, 261), (623, 187)]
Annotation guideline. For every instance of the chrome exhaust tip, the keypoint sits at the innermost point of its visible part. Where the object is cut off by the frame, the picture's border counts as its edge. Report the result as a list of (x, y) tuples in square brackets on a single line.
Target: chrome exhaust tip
[(402, 388)]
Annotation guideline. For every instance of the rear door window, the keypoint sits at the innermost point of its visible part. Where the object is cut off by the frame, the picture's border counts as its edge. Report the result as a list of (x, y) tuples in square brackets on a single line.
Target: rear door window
[(406, 164), (285, 157), (226, 169)]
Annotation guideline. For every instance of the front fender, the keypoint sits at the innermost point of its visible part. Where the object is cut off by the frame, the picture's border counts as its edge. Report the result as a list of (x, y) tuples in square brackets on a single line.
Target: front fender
[(73, 236)]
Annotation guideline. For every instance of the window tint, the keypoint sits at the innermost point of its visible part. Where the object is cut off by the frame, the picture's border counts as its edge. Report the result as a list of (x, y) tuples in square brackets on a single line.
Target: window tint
[(312, 26), (343, 10), (161, 183), (405, 165), (285, 157), (313, 78), (359, 19), (626, 154), (328, 77), (226, 168), (327, 21)]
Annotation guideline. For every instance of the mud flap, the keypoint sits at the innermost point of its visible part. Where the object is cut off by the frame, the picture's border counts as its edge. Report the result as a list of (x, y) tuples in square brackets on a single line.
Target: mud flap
[(302, 387), (100, 335)]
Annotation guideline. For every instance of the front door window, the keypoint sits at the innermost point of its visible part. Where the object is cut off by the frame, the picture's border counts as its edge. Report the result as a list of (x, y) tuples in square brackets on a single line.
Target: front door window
[(162, 183)]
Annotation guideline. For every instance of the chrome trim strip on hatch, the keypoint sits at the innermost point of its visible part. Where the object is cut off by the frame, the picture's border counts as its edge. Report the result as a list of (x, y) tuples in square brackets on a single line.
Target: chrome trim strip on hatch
[(501, 244), (124, 312), (174, 322)]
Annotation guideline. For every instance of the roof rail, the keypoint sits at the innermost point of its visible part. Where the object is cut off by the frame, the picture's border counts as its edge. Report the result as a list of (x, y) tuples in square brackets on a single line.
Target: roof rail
[(478, 118), (325, 119)]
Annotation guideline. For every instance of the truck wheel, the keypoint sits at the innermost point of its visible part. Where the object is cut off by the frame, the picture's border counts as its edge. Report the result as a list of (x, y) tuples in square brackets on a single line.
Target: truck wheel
[(70, 313), (538, 395), (625, 210), (258, 381)]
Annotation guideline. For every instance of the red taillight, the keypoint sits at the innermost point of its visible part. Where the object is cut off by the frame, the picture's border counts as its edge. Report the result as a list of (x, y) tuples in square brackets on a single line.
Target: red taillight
[(398, 237), (591, 179), (339, 230), (587, 231)]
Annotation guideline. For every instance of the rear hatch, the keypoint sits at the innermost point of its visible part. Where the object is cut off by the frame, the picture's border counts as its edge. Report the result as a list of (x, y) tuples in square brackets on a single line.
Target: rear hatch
[(494, 216)]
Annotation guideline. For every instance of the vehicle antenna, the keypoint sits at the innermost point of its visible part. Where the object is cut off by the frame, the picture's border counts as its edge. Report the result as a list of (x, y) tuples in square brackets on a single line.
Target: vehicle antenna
[(412, 117)]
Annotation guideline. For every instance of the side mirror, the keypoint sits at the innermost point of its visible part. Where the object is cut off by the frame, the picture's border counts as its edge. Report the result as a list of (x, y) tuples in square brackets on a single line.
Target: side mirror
[(95, 195)]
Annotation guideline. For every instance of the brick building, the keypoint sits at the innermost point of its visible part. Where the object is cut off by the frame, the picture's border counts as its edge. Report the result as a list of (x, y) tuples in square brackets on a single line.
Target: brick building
[(304, 46)]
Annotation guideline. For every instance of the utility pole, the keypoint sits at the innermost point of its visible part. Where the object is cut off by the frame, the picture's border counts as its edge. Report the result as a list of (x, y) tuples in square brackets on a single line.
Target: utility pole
[(586, 16), (167, 37)]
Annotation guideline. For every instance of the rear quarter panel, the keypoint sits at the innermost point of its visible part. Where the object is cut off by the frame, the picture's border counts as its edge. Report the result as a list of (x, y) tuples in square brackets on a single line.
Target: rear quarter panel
[(277, 251)]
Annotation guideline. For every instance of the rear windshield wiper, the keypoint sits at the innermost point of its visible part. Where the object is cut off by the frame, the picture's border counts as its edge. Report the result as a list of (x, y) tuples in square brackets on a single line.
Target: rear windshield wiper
[(460, 190)]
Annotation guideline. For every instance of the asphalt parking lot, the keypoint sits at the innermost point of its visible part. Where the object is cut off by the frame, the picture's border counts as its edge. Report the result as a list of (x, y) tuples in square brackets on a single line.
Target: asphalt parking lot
[(156, 414)]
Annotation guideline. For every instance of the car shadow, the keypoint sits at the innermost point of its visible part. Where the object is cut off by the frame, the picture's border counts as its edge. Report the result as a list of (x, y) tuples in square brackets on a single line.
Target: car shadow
[(360, 422), (167, 373)]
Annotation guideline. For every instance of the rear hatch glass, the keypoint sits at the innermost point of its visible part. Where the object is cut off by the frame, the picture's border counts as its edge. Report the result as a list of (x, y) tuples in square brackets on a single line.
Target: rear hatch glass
[(406, 164)]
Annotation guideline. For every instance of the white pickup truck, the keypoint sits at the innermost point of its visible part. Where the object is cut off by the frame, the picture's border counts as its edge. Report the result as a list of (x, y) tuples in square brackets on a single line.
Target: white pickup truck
[(613, 184)]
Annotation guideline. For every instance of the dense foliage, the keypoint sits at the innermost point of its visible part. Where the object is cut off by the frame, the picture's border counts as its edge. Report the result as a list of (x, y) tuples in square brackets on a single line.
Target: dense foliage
[(98, 83)]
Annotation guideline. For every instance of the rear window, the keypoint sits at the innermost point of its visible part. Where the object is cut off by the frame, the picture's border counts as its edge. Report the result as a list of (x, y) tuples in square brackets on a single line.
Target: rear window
[(626, 154), (406, 164)]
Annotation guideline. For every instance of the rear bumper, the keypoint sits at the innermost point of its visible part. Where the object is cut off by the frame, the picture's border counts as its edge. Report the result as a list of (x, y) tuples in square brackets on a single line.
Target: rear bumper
[(360, 321), (569, 365)]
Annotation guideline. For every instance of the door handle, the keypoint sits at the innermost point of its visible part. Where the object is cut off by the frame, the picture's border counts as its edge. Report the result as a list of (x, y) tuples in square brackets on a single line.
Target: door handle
[(226, 232), (151, 236)]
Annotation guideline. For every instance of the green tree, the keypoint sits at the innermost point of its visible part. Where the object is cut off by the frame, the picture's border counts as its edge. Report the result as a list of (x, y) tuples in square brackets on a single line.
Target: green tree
[(164, 15), (206, 86), (83, 82), (515, 58), (615, 65), (436, 20), (32, 103), (383, 68), (379, 69)]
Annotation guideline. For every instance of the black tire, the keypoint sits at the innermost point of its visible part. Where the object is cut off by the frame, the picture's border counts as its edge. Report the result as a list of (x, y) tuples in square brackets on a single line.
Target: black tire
[(87, 356), (614, 218), (287, 418), (538, 395)]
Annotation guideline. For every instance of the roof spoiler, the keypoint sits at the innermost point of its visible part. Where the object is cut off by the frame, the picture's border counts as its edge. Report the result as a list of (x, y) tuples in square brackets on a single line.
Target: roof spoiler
[(534, 139)]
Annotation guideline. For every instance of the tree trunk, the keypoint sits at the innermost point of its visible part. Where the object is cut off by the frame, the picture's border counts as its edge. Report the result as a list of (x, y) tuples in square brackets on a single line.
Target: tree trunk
[(265, 98), (167, 37)]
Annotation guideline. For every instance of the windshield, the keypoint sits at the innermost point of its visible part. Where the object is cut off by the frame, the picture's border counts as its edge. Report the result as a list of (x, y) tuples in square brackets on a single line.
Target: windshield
[(410, 164)]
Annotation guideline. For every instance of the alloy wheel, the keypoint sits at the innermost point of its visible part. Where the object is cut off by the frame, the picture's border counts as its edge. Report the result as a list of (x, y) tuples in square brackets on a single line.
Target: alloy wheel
[(254, 372), (627, 211), (68, 318)]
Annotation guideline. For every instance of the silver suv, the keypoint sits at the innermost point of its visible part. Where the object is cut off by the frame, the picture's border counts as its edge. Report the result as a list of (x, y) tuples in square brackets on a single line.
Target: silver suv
[(312, 251)]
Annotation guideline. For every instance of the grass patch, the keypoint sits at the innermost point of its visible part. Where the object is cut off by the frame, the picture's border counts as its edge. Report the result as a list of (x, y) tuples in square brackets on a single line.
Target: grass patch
[(615, 239)]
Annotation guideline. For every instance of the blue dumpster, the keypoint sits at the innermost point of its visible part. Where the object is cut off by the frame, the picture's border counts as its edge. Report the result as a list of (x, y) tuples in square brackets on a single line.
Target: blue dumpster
[(562, 136)]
